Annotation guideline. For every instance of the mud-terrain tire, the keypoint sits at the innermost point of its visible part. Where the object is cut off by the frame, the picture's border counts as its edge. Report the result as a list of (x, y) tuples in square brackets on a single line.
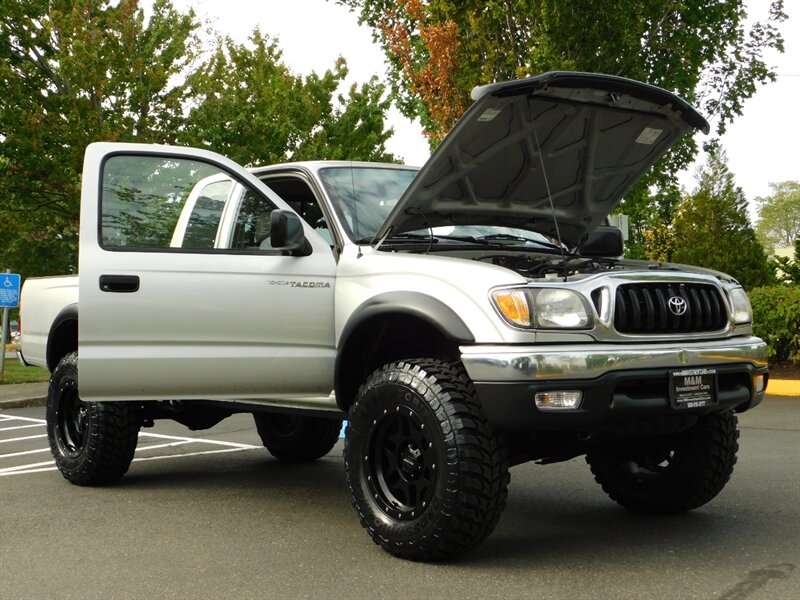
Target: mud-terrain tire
[(92, 442), (670, 474), (295, 438), (424, 468)]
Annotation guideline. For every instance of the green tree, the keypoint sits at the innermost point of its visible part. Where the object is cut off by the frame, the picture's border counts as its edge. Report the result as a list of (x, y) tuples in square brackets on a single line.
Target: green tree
[(711, 227), (253, 109), (787, 268), (73, 72), (78, 71), (702, 49), (779, 215)]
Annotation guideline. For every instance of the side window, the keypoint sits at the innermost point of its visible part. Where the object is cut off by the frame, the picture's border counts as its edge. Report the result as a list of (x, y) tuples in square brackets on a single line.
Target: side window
[(144, 197), (297, 194), (251, 229), (163, 203)]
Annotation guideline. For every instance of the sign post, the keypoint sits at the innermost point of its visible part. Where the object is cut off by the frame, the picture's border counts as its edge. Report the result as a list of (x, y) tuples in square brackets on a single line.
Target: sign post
[(9, 298)]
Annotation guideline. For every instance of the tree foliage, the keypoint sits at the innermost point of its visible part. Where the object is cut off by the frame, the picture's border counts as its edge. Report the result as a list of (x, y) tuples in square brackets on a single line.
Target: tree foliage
[(711, 227), (779, 215), (776, 320), (787, 268), (701, 49), (254, 110), (73, 72), (78, 71)]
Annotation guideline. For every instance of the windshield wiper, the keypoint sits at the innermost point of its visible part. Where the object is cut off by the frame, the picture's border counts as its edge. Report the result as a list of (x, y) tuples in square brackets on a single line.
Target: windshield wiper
[(497, 237), (427, 237), (405, 237)]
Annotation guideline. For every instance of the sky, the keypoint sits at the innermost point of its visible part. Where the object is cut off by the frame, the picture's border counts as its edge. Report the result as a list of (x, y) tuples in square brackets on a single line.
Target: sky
[(763, 144)]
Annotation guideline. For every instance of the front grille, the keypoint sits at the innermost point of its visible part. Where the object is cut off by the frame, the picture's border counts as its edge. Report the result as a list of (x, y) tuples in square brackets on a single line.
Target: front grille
[(645, 308)]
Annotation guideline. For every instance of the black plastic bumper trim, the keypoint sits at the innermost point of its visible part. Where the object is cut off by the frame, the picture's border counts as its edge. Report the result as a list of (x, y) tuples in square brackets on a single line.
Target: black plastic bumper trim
[(615, 398)]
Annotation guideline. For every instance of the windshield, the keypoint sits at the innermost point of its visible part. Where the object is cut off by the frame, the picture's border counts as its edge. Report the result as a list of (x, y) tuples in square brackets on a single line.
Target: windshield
[(364, 196)]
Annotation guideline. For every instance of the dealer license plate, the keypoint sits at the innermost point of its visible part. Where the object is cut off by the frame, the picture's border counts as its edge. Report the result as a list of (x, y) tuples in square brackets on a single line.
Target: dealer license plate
[(693, 388)]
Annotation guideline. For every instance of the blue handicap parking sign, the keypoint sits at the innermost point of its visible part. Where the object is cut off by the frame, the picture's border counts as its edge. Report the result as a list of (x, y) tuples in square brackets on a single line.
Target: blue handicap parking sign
[(9, 290)]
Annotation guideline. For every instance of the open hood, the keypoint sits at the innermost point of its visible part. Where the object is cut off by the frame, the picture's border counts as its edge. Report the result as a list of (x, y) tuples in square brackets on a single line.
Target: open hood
[(587, 137)]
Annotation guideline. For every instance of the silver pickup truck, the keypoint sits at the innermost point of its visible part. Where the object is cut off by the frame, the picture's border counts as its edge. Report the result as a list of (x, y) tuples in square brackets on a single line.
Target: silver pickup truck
[(464, 318)]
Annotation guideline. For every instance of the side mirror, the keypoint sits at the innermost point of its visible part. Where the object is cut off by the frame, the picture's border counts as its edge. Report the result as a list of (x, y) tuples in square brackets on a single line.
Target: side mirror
[(603, 241), (286, 233)]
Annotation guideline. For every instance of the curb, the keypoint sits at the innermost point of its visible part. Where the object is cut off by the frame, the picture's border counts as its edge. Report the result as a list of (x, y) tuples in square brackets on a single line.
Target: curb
[(22, 403), (21, 395), (783, 387)]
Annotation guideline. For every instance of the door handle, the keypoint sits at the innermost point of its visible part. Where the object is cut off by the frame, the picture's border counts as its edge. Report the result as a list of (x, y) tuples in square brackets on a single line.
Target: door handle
[(121, 284)]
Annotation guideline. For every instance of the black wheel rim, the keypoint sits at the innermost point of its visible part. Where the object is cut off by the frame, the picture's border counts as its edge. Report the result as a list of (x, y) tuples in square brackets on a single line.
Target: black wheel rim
[(284, 425), (648, 465), (402, 468), (72, 421)]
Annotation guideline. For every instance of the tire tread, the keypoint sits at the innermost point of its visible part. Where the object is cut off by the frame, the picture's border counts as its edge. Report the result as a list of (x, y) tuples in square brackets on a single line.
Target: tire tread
[(481, 476), (702, 469)]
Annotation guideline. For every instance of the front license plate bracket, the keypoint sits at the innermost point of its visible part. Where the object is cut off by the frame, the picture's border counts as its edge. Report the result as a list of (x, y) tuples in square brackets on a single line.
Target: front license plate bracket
[(693, 388)]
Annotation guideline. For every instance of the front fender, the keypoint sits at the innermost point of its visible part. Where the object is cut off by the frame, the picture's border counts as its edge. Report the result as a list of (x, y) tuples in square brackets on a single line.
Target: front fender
[(425, 308)]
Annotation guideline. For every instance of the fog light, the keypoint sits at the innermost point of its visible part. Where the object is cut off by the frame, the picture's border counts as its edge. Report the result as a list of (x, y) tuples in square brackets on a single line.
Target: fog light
[(558, 400), (759, 383)]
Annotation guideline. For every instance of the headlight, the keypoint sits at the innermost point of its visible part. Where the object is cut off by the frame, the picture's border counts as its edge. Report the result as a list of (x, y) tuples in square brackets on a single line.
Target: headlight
[(543, 308), (560, 309), (740, 304)]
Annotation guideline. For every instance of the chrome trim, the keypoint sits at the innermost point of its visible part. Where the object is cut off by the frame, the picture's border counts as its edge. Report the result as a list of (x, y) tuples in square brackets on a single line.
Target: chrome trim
[(603, 319), (521, 363)]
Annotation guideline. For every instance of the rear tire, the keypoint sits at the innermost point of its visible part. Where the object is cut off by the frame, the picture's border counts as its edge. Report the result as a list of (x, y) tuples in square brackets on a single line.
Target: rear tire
[(423, 466), (92, 442), (670, 474), (295, 438)]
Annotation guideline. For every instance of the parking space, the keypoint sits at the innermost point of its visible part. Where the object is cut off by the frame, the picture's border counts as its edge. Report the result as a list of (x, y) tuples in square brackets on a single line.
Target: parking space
[(24, 448), (211, 515)]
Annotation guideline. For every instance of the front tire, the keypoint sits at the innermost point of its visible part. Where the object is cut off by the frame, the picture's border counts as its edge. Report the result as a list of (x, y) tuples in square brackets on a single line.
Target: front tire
[(670, 474), (92, 442), (296, 438), (423, 466)]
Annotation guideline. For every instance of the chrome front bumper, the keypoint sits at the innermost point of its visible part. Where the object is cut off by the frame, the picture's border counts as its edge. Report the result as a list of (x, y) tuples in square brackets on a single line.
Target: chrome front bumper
[(589, 361)]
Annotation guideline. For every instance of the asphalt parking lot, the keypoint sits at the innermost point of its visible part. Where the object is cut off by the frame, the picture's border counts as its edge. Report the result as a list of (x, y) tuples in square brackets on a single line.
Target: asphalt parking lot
[(211, 515)]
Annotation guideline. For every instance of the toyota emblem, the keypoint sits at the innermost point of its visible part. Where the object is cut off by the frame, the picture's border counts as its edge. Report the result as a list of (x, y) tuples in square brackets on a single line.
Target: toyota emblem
[(677, 306)]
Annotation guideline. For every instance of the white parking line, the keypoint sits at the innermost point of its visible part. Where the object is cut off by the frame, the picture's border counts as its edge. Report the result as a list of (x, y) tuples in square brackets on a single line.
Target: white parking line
[(191, 439), (16, 418), (20, 439), (192, 454), (2, 474), (156, 446), (21, 426), (24, 453), (12, 470), (170, 441)]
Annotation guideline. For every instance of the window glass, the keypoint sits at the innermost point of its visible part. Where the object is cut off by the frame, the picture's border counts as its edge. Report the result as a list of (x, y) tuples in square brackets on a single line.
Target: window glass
[(297, 194), (157, 202), (251, 230), (364, 196), (143, 198), (203, 223)]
